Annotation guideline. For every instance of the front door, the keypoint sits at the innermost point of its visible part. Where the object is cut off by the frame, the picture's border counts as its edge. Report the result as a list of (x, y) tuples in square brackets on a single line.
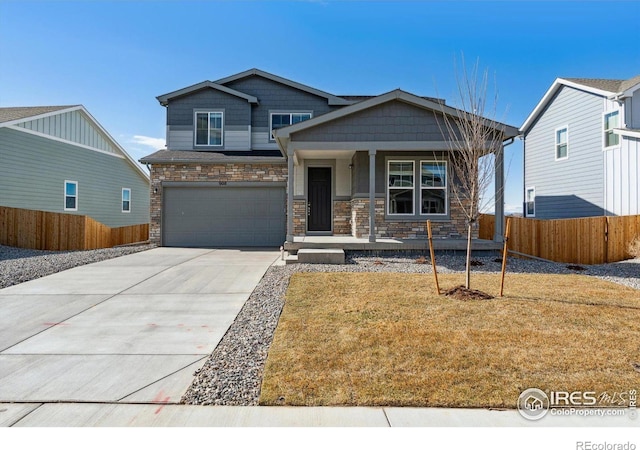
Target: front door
[(319, 199)]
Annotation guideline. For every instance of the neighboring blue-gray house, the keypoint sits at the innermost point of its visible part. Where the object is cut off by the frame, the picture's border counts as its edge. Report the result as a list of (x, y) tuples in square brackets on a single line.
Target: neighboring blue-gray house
[(59, 159), (255, 159), (582, 150)]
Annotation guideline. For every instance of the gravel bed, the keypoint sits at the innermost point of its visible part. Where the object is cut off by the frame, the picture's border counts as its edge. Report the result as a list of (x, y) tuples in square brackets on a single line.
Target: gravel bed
[(18, 265), (233, 373)]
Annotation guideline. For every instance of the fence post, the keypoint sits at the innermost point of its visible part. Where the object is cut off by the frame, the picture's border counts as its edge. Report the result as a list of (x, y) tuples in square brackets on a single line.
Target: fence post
[(606, 239)]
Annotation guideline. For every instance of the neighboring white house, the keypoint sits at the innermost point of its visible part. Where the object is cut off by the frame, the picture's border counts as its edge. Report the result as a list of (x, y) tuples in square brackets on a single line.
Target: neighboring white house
[(582, 150)]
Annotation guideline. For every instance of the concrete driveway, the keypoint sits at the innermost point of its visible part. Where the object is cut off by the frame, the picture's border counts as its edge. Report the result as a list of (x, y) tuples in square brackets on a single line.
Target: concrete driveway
[(132, 329)]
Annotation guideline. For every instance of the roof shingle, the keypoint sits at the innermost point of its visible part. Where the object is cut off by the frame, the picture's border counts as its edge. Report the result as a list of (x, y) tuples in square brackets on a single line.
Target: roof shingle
[(22, 112)]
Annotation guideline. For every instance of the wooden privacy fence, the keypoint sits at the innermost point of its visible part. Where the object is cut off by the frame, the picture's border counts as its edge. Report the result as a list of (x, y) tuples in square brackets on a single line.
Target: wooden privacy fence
[(589, 240), (43, 230)]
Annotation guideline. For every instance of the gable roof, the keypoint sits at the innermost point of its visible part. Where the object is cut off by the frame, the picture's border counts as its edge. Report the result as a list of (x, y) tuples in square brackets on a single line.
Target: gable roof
[(331, 99), (13, 113), (599, 86), (283, 134), (164, 99), (10, 116)]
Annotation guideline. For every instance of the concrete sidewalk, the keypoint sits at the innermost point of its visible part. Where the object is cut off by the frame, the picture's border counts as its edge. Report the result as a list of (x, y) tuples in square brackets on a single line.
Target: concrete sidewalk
[(132, 329), (161, 415)]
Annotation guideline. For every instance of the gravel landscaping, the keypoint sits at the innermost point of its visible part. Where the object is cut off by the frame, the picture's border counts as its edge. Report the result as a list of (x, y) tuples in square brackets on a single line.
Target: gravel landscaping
[(233, 373), (18, 265)]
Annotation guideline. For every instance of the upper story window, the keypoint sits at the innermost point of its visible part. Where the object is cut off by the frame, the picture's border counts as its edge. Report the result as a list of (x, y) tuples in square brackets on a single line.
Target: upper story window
[(400, 187), (70, 195), (126, 200), (433, 187), (209, 128), (611, 121), (562, 143), (279, 120)]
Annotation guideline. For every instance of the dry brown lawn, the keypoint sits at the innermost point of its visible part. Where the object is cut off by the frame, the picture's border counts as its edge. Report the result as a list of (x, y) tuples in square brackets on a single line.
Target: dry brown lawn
[(388, 339)]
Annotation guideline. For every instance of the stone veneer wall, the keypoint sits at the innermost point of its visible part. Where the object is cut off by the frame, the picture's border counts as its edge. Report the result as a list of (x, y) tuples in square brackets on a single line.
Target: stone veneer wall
[(205, 172), (455, 227), (342, 217), (299, 217)]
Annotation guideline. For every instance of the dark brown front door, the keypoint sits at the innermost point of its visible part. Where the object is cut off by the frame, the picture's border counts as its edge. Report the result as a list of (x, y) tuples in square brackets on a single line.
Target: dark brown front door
[(319, 199)]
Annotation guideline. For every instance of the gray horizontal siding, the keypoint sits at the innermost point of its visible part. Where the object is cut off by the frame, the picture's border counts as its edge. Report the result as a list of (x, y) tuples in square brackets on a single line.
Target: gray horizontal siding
[(237, 111), (260, 140), (72, 126), (235, 138), (392, 121), (34, 169), (275, 96), (571, 187)]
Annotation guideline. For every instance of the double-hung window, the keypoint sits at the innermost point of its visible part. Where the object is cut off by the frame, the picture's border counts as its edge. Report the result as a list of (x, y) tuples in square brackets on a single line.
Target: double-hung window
[(433, 187), (611, 121), (279, 120), (70, 195), (209, 128), (562, 143), (531, 202), (400, 187), (126, 200)]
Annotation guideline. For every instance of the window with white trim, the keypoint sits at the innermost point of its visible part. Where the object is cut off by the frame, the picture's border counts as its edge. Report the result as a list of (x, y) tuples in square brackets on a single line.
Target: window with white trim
[(611, 121), (433, 187), (562, 143), (126, 200), (209, 128), (531, 202), (280, 120), (70, 195), (400, 187)]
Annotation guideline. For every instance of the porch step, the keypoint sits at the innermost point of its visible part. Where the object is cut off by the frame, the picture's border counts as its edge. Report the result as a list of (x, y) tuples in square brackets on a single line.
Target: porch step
[(291, 259), (321, 256)]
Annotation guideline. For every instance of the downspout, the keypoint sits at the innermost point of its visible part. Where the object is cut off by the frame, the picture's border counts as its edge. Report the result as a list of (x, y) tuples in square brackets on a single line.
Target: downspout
[(499, 193)]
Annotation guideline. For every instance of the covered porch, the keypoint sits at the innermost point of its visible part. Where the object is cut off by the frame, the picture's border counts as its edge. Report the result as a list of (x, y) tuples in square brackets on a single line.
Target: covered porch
[(369, 176), (350, 243)]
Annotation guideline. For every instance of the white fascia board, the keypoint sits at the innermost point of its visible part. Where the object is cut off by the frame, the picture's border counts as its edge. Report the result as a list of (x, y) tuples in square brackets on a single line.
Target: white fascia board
[(629, 92), (41, 116), (116, 145), (64, 141), (627, 132), (557, 84), (396, 94), (331, 99), (164, 99)]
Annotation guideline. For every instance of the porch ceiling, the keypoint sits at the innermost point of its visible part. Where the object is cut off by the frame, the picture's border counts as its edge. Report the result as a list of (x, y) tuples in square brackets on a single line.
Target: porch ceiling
[(325, 154)]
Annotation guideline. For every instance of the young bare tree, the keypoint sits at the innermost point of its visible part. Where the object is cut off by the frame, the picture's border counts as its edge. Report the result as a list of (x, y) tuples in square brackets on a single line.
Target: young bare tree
[(475, 138)]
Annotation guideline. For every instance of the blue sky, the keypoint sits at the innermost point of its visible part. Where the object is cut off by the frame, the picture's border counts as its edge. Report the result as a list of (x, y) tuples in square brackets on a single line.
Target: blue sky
[(116, 57)]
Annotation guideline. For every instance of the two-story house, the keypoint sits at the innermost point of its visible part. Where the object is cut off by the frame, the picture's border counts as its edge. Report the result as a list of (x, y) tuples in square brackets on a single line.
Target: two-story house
[(582, 150), (255, 159)]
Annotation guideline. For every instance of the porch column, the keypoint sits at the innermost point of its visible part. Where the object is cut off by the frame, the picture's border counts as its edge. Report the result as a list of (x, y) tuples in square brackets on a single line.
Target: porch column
[(289, 193), (498, 234), (372, 195)]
